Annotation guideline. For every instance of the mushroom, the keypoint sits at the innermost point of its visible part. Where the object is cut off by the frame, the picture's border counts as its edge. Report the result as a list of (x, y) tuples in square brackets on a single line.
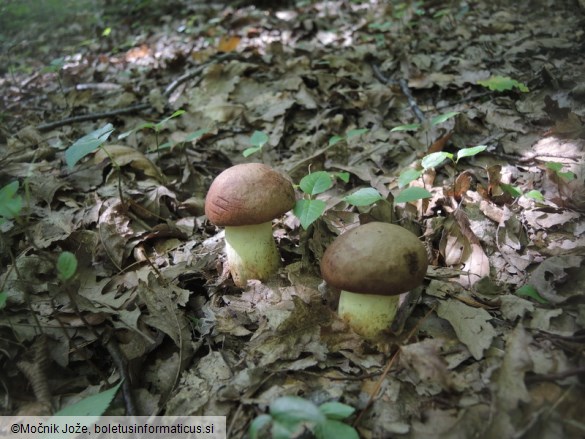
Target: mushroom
[(245, 199), (372, 265)]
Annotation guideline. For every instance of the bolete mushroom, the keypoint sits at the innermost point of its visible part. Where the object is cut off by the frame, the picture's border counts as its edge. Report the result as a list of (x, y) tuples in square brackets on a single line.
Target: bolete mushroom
[(245, 199), (372, 265)]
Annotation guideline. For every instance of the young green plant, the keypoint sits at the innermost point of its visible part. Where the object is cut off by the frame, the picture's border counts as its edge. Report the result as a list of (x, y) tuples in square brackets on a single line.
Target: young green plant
[(289, 414), (430, 161)]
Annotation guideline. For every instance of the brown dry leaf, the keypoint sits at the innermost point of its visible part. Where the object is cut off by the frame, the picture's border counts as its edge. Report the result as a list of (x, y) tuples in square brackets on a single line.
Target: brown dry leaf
[(425, 359), (228, 44), (124, 155), (470, 324)]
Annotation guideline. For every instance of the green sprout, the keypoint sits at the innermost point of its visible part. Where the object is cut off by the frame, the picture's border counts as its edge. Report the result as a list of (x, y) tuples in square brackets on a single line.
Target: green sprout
[(288, 415), (258, 140)]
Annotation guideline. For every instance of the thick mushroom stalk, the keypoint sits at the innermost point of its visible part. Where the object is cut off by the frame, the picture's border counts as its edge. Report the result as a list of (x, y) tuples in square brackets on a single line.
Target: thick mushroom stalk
[(245, 199), (367, 314), (251, 252)]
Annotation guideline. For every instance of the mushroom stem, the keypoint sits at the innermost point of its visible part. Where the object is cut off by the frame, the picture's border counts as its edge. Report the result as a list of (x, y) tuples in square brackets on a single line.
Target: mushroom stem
[(251, 252), (367, 314)]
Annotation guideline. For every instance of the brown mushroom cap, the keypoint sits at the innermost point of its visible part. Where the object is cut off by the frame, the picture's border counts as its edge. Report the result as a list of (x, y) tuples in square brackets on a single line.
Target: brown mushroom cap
[(376, 258), (247, 194)]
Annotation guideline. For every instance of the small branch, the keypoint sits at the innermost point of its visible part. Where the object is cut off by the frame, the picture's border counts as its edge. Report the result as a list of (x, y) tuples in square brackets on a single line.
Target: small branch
[(93, 116), (403, 84)]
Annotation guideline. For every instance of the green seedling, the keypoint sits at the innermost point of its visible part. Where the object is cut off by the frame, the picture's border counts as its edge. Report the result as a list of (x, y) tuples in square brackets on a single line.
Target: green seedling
[(308, 210), (93, 405), (348, 135), (258, 140), (535, 195), (502, 83), (87, 144), (530, 291), (288, 415), (441, 118), (557, 169), (3, 299), (430, 161), (66, 266), (156, 127), (10, 202)]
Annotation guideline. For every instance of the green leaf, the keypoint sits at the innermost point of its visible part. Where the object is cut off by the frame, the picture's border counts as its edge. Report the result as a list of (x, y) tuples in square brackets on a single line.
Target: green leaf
[(530, 291), (10, 203), (512, 190), (443, 117), (307, 211), (335, 139), (249, 151), (357, 132), (87, 144), (3, 299), (554, 166), (316, 182), (258, 139), (534, 195), (409, 127), (567, 176), (195, 135), (502, 83), (66, 265), (94, 405), (336, 410), (408, 176), (258, 424), (468, 152), (364, 197), (412, 194), (335, 429), (159, 125), (435, 159), (290, 410), (343, 176)]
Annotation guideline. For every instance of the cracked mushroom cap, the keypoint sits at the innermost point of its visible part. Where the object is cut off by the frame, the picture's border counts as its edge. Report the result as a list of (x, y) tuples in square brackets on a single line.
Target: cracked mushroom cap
[(376, 258), (248, 194)]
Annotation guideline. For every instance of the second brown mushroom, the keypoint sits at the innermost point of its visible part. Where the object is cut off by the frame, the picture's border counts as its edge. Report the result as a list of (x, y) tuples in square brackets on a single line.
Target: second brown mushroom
[(373, 264)]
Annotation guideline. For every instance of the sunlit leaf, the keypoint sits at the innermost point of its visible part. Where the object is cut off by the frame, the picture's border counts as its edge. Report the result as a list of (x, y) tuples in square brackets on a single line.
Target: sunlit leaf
[(412, 194), (336, 410), (195, 135), (502, 83), (364, 197), (530, 291), (10, 203), (409, 127), (407, 176), (258, 425), (159, 125), (66, 265), (534, 195), (357, 132), (87, 144), (334, 139), (316, 182), (343, 176), (443, 117), (468, 152), (307, 211), (435, 159), (249, 151), (512, 190), (94, 405), (293, 409)]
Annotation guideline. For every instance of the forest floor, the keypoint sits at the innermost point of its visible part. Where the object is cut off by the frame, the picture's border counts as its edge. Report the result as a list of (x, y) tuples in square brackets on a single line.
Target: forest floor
[(461, 121)]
